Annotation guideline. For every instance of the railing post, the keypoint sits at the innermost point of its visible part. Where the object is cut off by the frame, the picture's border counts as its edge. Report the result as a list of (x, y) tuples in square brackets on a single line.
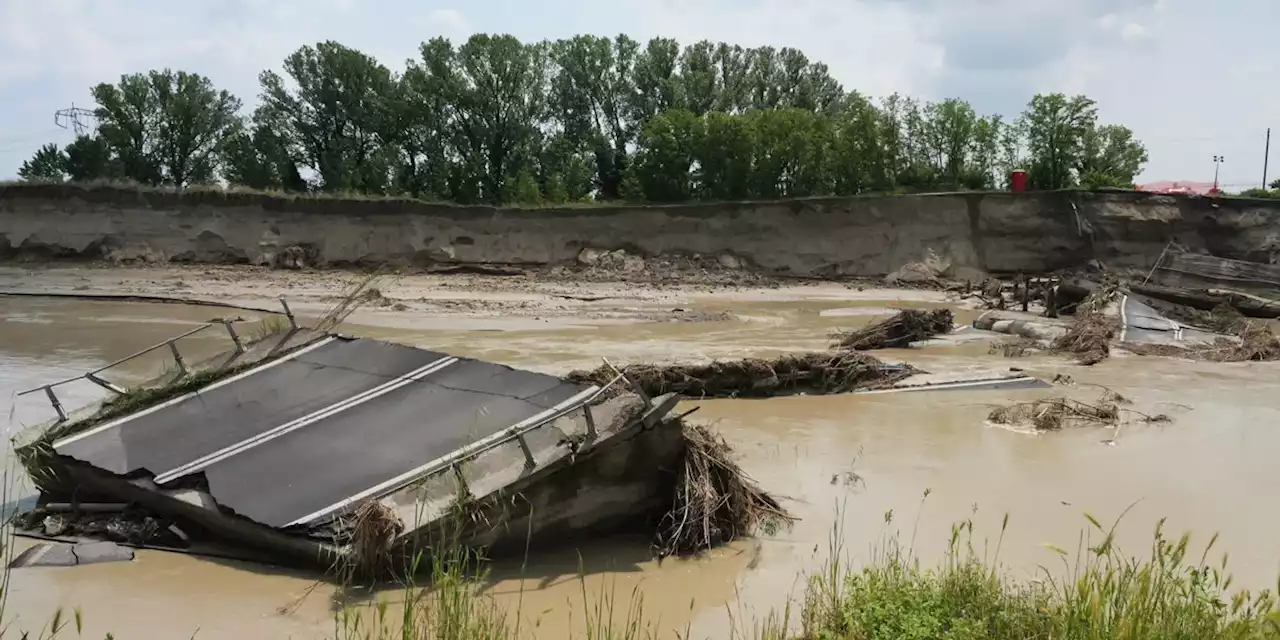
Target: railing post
[(293, 322), (57, 406), (591, 421), (235, 337), (529, 462), (93, 377), (177, 358)]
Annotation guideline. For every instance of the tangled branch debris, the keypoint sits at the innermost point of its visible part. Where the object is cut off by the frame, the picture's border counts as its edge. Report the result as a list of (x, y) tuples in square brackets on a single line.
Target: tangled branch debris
[(715, 501), (1256, 343), (818, 373), (373, 527), (905, 327), (1088, 337), (1053, 414)]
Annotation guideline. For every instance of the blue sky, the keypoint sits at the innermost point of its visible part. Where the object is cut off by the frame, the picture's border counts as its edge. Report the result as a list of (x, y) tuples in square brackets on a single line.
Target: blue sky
[(1193, 78)]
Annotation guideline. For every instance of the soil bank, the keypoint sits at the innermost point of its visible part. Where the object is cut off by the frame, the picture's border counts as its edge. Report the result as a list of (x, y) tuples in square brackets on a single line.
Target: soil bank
[(818, 237)]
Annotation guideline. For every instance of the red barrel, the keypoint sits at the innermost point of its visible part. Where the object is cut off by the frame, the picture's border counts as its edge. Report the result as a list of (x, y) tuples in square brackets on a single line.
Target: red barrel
[(1018, 180)]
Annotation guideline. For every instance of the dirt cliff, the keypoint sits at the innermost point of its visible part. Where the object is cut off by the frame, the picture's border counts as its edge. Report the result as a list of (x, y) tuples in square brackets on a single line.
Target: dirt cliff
[(850, 236)]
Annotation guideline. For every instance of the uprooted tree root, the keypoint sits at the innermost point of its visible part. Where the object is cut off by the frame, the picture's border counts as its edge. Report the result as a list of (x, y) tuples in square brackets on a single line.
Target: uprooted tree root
[(1088, 337), (1256, 343), (819, 373), (715, 501), (905, 327), (372, 529)]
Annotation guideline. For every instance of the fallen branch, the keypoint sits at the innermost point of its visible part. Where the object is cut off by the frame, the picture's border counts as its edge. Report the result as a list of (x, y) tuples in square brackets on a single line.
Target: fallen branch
[(819, 373), (905, 327)]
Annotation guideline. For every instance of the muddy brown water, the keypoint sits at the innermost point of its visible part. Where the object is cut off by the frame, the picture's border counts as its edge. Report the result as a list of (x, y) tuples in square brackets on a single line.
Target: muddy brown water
[(842, 462)]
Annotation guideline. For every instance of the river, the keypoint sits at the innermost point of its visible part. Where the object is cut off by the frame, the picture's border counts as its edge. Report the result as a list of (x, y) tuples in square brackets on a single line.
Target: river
[(842, 462)]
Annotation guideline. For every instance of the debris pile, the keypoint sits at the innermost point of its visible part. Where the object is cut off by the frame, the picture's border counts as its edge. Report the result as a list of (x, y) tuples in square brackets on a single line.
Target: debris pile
[(819, 373), (121, 523), (714, 501), (1255, 343), (1053, 414), (905, 327), (1088, 337)]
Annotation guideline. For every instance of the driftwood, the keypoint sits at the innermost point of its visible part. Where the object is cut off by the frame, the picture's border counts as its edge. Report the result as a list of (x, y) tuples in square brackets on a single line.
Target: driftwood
[(905, 327), (817, 373), (1206, 300)]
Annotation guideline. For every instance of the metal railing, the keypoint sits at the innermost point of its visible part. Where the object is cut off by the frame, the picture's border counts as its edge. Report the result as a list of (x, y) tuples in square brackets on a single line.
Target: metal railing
[(453, 461), (172, 344)]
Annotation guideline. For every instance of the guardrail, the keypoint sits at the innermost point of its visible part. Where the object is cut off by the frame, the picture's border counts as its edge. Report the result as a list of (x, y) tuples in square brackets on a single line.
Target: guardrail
[(171, 343), (453, 461)]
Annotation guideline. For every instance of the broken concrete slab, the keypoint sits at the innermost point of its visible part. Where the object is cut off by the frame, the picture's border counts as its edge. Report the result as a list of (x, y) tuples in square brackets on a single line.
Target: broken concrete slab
[(59, 554)]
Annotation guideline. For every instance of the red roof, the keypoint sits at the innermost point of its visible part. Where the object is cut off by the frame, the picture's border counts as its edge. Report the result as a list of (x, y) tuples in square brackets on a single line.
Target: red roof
[(1178, 186)]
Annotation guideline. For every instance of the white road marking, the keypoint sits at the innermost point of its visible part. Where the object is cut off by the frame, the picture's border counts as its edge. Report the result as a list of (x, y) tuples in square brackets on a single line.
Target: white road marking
[(164, 405), (311, 418)]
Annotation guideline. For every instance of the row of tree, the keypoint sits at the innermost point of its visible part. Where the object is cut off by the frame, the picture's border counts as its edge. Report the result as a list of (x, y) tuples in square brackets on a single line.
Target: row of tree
[(497, 120)]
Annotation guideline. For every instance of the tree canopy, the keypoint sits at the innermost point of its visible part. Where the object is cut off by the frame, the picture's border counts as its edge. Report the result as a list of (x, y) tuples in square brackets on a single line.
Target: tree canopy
[(496, 120)]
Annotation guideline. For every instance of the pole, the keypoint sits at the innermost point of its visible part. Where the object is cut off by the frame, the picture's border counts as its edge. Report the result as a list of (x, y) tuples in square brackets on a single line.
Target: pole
[(1217, 161), (1266, 155)]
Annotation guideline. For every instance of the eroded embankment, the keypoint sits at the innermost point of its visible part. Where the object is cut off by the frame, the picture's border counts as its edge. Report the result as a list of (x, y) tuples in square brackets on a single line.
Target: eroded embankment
[(859, 236)]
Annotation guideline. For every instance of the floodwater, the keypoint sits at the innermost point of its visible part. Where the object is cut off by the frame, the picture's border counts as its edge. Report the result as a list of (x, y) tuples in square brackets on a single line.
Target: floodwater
[(842, 462)]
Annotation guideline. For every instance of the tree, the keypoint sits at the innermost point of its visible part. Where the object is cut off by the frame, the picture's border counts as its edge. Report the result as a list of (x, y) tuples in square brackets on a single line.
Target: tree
[(91, 158), (426, 115), (525, 189), (261, 159), (166, 126), (501, 103), (1056, 128), (1110, 157), (723, 154), (49, 164), (330, 116), (792, 154), (665, 156)]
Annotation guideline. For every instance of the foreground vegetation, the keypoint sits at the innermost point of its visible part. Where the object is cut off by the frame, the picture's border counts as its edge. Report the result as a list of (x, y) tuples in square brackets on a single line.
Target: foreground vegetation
[(496, 120), (1097, 593)]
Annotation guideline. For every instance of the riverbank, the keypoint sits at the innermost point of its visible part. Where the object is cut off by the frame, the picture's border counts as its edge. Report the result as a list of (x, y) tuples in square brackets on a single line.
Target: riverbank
[(841, 461), (972, 233)]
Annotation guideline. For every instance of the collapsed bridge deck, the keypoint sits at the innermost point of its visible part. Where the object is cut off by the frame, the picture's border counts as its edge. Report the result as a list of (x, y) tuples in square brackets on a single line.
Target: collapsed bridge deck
[(295, 439)]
